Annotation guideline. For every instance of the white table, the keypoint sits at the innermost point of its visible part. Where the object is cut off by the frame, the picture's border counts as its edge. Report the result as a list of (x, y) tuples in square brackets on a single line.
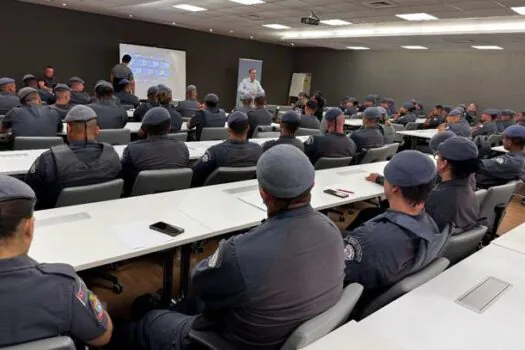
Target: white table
[(499, 149), (513, 240), (429, 317), (359, 122), (133, 127), (424, 134)]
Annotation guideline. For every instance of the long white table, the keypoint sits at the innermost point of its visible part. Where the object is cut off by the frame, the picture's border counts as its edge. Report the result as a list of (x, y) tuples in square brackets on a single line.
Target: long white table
[(513, 240), (424, 134), (430, 318), (359, 122)]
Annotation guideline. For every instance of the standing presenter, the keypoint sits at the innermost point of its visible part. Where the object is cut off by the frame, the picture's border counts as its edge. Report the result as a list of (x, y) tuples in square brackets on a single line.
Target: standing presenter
[(249, 86)]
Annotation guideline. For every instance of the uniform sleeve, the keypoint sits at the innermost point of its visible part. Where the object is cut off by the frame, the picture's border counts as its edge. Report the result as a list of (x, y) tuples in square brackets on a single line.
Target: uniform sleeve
[(89, 320), (204, 167), (310, 149), (60, 126), (492, 167), (128, 171), (434, 207), (353, 252), (194, 120), (124, 115), (43, 180), (217, 280), (7, 122), (138, 114)]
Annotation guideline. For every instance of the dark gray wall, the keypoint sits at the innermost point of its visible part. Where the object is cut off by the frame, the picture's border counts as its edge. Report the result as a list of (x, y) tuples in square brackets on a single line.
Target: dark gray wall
[(492, 79), (87, 45)]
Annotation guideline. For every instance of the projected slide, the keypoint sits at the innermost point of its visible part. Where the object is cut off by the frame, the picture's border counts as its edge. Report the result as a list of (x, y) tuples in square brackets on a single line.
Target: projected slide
[(153, 66)]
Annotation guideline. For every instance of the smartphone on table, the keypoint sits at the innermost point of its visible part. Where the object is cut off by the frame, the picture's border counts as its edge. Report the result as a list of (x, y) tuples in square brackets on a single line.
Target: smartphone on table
[(167, 229), (336, 193)]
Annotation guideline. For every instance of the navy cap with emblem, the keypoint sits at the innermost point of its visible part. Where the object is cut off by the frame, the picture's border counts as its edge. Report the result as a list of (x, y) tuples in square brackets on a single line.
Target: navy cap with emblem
[(12, 189), (211, 98), (62, 87), (408, 105), (80, 113), (372, 113), (237, 117), (291, 117), (153, 90), (5, 81), (155, 116), (285, 172), (515, 131), (191, 88), (103, 83), (24, 92), (381, 110), (76, 80), (458, 148), (123, 82), (333, 113), (28, 77), (455, 113), (410, 168), (438, 138)]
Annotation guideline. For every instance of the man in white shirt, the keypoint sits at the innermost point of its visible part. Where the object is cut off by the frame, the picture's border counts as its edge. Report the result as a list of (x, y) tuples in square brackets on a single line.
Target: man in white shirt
[(249, 86)]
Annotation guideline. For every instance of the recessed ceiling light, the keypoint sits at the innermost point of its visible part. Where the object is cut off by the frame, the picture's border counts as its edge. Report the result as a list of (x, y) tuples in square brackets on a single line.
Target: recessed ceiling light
[(358, 48), (64, 4), (293, 44), (130, 16), (190, 8), (231, 31), (211, 30), (248, 2), (414, 47), (251, 36), (520, 10), (417, 17), (335, 22), (173, 23), (487, 47), (275, 26)]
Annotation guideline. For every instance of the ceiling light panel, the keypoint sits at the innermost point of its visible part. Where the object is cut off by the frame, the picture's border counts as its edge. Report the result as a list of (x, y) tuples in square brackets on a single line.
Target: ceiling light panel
[(417, 17), (519, 10), (248, 2), (276, 26), (487, 47), (335, 22), (190, 8), (358, 48), (414, 47)]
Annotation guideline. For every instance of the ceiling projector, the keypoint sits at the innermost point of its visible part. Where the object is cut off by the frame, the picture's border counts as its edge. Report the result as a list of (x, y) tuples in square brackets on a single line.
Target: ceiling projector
[(311, 20)]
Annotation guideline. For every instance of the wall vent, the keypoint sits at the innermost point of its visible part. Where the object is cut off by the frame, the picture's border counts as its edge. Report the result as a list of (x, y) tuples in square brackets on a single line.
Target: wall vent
[(379, 4)]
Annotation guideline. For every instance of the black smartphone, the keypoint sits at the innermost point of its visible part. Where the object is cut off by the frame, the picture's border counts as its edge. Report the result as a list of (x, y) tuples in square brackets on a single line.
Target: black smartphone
[(167, 229), (336, 193)]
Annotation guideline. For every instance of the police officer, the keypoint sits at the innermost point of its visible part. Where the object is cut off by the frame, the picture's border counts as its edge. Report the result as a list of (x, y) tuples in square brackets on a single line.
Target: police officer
[(63, 97), (237, 151), (371, 134), (246, 103), (155, 151), (488, 124), (406, 114), (258, 116), (47, 97), (302, 98), (276, 266), (290, 122), (125, 96), (520, 118), (349, 105), (78, 95), (110, 115), (8, 97), (31, 118), (434, 118), (370, 101), (308, 119), (454, 124), (190, 106), (166, 101), (333, 144), (506, 119), (43, 300), (210, 117), (83, 162), (151, 102), (404, 238), (453, 200), (507, 167)]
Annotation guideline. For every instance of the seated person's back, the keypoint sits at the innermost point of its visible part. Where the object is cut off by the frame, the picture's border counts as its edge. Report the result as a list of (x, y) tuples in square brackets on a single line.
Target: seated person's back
[(40, 300), (210, 117), (246, 105), (259, 116), (63, 98), (151, 102), (166, 101), (308, 119), (83, 162), (457, 124), (407, 114), (31, 118), (488, 124), (125, 94), (506, 119), (289, 124), (155, 151), (8, 98), (333, 144), (237, 151), (371, 135), (78, 95), (109, 114), (190, 106)]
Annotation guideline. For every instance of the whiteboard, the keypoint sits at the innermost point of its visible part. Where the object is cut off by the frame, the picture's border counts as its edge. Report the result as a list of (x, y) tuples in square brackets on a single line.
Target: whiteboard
[(300, 83)]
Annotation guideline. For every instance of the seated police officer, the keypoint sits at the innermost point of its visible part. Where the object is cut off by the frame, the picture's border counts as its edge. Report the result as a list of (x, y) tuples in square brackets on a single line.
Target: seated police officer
[(289, 124), (83, 162), (46, 96), (166, 101), (434, 118), (456, 123), (333, 144), (31, 118), (505, 119), (210, 117), (151, 102), (308, 119), (237, 151), (507, 167), (371, 134), (40, 300), (155, 151), (453, 200), (258, 287), (190, 105), (246, 104), (109, 114), (125, 94), (404, 238), (8, 98), (78, 95), (407, 114), (258, 116), (488, 124), (62, 103)]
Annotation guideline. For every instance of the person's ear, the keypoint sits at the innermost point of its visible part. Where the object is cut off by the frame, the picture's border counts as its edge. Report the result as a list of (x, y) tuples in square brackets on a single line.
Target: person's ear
[(97, 131), (29, 228), (68, 128), (264, 195)]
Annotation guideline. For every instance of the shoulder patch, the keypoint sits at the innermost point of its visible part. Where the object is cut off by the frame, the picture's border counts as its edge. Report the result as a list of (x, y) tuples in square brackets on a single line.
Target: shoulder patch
[(206, 157), (500, 160), (310, 140), (353, 250), (96, 305)]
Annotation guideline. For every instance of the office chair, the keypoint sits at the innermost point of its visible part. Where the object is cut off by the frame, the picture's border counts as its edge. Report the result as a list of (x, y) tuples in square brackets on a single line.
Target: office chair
[(180, 136), (265, 129), (114, 136), (230, 174), (213, 134), (90, 194), (494, 204), (374, 155), (162, 180), (391, 150), (307, 132), (34, 142), (329, 163), (461, 246), (411, 126)]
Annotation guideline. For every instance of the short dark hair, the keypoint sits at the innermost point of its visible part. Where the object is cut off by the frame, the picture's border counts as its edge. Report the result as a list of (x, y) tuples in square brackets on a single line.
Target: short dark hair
[(103, 91), (461, 169), (12, 213), (284, 203), (516, 141), (159, 129), (260, 101), (49, 67), (417, 194), (311, 105), (250, 70), (211, 104), (126, 58), (438, 106), (239, 128), (291, 127)]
